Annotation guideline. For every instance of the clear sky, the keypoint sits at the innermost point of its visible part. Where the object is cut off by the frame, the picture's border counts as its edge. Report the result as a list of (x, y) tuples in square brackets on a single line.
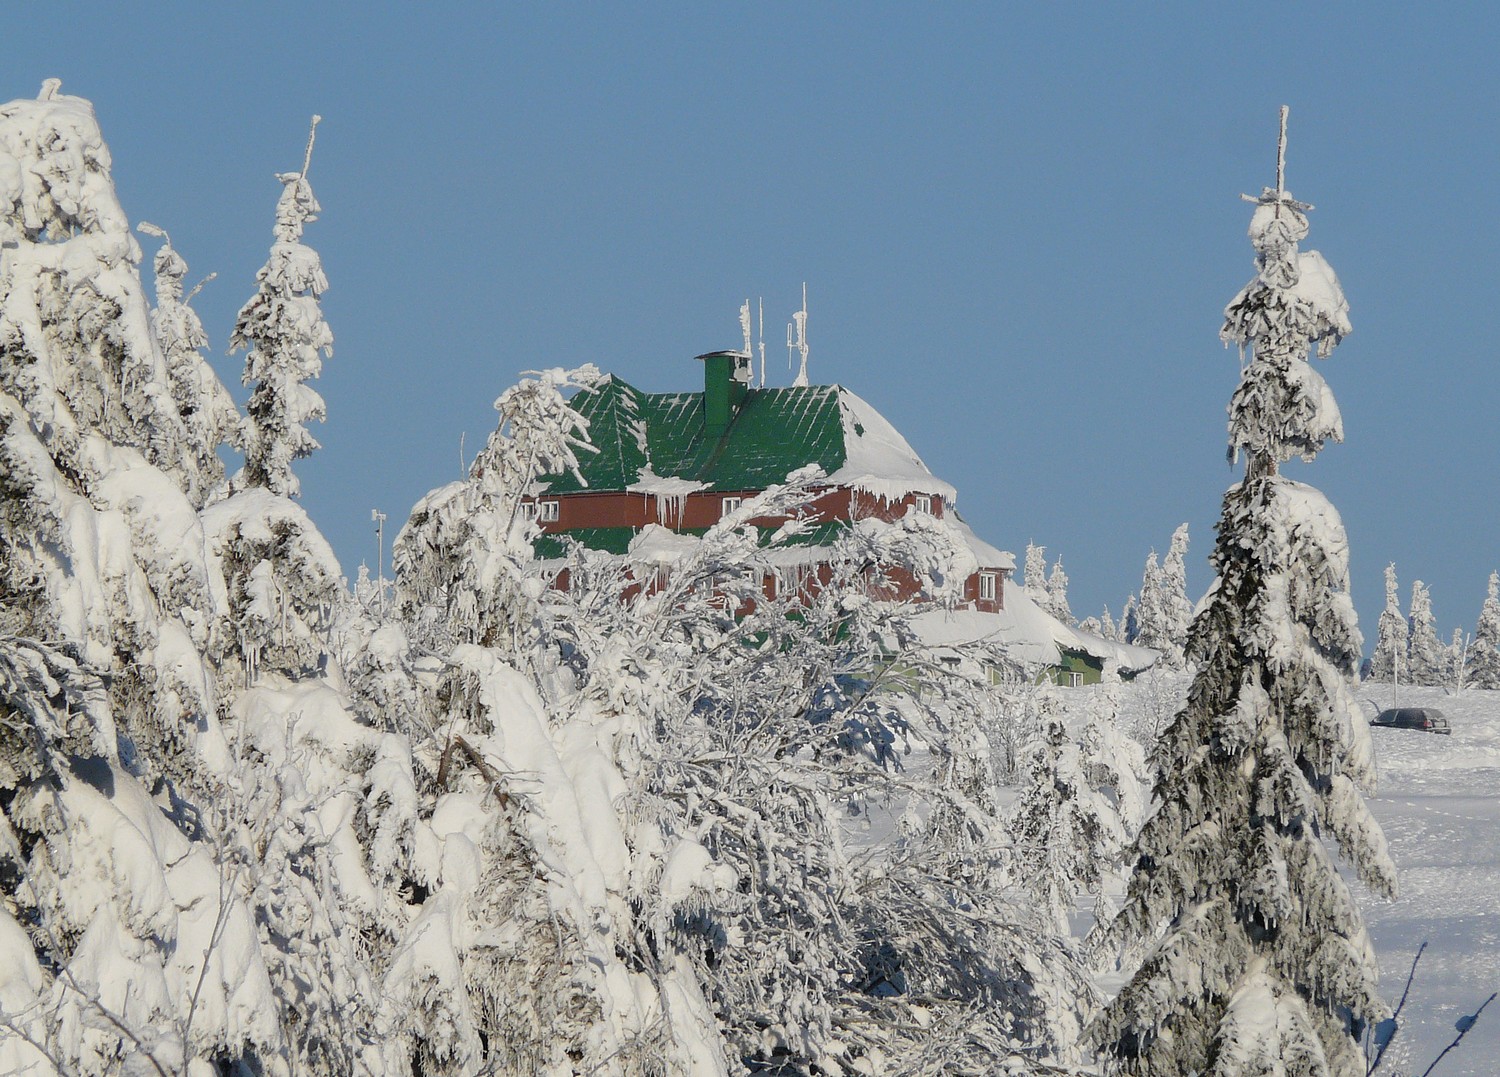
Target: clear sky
[(1019, 225)]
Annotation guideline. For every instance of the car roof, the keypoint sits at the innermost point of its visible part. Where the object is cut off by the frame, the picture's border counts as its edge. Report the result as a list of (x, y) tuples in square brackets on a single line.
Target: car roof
[(1410, 714)]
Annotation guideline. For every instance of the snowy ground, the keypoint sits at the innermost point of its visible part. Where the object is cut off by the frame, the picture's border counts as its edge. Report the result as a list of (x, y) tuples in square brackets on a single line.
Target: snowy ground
[(1439, 802)]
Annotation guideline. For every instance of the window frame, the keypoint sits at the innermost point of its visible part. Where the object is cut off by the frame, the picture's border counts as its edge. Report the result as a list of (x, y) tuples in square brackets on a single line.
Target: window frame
[(989, 586)]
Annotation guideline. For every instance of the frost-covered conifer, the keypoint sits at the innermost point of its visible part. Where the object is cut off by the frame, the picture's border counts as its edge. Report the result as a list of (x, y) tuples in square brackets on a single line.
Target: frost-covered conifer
[(1484, 651), (1389, 659), (1150, 612), (208, 413), (283, 578), (1426, 657), (282, 331), (1057, 594), (529, 953), (1179, 609), (1456, 663), (1107, 627), (1130, 622), (124, 945), (1164, 611), (1067, 834), (1034, 574), (464, 559), (1114, 763), (1257, 959)]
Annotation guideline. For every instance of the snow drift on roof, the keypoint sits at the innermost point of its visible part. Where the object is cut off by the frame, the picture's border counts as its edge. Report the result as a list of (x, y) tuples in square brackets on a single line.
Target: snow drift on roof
[(988, 556), (879, 461), (657, 545), (1028, 633)]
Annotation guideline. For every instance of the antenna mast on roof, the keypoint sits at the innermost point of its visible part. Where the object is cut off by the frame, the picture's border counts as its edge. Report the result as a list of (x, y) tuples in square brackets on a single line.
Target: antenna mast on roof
[(799, 320), (762, 303), (749, 353)]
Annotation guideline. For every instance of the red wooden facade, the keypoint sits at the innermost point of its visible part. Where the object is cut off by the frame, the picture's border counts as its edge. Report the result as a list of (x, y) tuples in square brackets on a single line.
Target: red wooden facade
[(984, 590)]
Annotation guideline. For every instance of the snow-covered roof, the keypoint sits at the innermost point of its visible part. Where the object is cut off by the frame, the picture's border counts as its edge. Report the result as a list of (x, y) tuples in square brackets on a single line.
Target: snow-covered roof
[(655, 443), (878, 460), (1028, 633), (988, 556)]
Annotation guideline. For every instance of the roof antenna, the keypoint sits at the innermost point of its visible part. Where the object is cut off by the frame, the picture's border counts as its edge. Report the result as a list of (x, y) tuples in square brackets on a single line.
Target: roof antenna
[(762, 302), (748, 352), (799, 319)]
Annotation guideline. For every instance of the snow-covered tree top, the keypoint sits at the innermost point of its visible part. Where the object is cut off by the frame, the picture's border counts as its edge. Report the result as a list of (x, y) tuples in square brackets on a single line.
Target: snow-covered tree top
[(55, 170), (1282, 407), (295, 208)]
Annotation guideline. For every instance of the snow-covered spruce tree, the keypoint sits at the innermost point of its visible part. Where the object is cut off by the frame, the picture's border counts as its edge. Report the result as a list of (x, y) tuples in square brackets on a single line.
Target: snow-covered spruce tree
[(282, 331), (282, 576), (1426, 657), (1067, 834), (1057, 594), (1456, 663), (525, 954), (464, 562), (1179, 610), (124, 948), (208, 413), (1130, 620), (1148, 613), (1107, 626), (1113, 761), (1164, 611), (1034, 574), (1484, 650), (1258, 960), (1388, 662)]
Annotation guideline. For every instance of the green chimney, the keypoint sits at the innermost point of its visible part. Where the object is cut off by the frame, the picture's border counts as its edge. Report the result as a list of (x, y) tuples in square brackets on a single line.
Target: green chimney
[(726, 380)]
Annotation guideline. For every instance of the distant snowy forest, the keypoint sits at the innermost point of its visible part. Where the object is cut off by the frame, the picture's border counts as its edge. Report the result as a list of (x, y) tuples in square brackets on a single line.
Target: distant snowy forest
[(259, 821)]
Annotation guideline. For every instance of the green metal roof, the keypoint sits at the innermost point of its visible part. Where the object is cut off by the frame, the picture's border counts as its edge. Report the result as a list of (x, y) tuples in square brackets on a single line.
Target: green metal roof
[(774, 432), (614, 540)]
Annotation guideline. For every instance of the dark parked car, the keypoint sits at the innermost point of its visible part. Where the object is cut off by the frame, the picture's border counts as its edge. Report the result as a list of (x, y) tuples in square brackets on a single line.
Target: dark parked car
[(1425, 718)]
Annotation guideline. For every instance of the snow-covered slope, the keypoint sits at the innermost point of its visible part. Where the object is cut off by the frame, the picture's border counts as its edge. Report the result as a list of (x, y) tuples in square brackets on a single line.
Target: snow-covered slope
[(1439, 803)]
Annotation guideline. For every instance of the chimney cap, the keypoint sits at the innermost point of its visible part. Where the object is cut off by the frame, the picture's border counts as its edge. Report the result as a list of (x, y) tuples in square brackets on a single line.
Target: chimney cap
[(733, 353)]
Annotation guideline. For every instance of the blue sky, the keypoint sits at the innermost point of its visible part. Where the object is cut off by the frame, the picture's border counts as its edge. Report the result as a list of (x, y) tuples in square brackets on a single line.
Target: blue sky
[(1018, 228)]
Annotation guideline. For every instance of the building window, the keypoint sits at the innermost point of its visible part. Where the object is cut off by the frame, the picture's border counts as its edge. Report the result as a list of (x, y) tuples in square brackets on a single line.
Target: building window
[(528, 510), (731, 504), (1072, 679), (922, 503), (547, 512), (987, 588)]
